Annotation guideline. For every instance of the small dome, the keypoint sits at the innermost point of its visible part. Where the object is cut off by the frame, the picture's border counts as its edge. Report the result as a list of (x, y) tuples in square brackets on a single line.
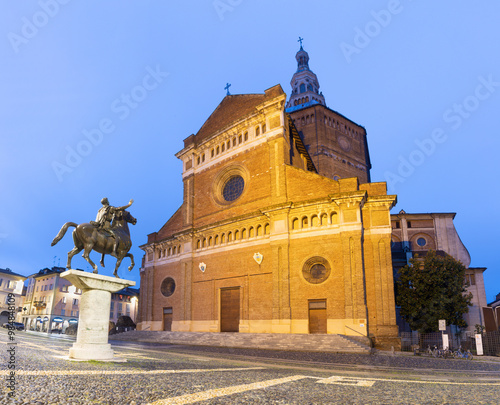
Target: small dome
[(302, 60)]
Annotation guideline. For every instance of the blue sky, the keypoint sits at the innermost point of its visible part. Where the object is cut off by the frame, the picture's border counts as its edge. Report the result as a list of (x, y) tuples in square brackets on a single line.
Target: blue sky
[(97, 98)]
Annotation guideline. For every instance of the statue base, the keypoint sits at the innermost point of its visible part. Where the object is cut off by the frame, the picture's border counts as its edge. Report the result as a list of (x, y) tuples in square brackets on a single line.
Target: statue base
[(93, 321)]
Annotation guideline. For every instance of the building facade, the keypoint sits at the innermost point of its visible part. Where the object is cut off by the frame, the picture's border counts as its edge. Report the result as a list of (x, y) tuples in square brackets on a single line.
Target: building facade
[(52, 303), (266, 243), (11, 285), (417, 234), (124, 303)]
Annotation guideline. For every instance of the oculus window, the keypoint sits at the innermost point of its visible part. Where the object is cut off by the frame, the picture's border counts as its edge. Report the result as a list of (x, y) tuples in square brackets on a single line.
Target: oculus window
[(316, 270), (167, 286), (421, 242), (233, 188), (230, 184)]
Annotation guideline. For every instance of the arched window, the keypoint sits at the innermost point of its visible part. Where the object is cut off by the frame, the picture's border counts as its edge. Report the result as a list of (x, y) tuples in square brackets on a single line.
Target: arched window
[(257, 130), (209, 241), (314, 220), (251, 232), (267, 229), (245, 136), (324, 219), (263, 128), (228, 144), (223, 147), (223, 238), (240, 139), (333, 218), (302, 87), (236, 235), (174, 250), (213, 153), (217, 151), (305, 222), (229, 236), (295, 223), (216, 240), (259, 230), (198, 244), (234, 141), (244, 233), (204, 242)]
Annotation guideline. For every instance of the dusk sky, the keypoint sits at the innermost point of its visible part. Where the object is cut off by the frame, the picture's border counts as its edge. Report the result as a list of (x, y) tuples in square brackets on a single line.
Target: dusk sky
[(98, 96)]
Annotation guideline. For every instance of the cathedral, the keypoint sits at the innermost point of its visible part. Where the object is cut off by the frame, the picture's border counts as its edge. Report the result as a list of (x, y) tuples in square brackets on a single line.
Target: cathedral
[(281, 229)]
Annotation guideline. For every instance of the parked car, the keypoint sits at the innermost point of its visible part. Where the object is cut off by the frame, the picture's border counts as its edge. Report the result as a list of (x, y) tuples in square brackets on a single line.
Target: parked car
[(15, 325), (72, 329)]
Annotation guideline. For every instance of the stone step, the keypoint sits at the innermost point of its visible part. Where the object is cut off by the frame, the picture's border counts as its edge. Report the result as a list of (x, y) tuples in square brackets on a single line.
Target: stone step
[(301, 342)]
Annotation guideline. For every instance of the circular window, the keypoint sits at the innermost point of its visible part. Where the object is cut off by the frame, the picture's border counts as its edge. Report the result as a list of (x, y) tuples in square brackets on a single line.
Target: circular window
[(233, 188), (230, 184), (168, 287), (316, 270), (421, 242)]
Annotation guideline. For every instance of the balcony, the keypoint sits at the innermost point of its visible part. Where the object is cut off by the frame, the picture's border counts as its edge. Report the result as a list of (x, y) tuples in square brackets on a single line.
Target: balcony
[(39, 304)]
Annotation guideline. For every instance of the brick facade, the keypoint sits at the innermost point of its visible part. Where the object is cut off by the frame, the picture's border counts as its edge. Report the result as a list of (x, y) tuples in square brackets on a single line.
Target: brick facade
[(325, 244)]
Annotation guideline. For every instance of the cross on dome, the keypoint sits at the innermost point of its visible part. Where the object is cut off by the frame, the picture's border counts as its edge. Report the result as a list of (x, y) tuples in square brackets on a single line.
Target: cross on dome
[(300, 40)]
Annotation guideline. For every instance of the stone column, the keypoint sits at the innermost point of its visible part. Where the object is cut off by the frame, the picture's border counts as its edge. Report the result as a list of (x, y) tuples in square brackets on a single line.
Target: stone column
[(93, 322)]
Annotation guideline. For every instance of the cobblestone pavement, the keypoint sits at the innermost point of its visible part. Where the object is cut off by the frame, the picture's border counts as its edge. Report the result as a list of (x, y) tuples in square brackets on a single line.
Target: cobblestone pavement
[(184, 375)]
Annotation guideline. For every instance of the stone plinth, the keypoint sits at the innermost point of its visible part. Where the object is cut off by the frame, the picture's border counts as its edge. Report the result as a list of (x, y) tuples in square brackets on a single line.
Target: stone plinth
[(93, 322)]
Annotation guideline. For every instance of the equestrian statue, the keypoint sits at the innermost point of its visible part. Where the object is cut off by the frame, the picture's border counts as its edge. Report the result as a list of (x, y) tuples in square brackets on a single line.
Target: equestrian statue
[(108, 235)]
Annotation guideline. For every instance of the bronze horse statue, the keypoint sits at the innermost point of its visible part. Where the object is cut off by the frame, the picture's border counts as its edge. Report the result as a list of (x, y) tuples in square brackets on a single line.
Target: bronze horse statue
[(87, 237)]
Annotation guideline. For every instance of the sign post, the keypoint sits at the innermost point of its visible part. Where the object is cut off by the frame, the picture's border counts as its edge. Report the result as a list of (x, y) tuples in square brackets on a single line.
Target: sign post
[(442, 328), (479, 344)]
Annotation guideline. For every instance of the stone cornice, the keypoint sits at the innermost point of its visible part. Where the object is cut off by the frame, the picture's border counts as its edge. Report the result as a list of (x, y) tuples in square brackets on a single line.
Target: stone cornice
[(387, 201), (351, 199)]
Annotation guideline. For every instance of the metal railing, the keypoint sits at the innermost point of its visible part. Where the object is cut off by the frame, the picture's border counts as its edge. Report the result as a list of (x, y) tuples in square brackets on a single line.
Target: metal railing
[(465, 340)]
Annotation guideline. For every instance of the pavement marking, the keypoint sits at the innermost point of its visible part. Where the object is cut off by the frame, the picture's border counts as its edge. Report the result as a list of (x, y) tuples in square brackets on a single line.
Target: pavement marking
[(368, 382), (221, 392), (128, 372), (358, 382), (135, 356), (44, 348)]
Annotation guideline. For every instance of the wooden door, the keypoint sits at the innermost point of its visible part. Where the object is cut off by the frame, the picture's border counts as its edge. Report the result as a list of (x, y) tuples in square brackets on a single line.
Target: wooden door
[(317, 316), (230, 310), (167, 319)]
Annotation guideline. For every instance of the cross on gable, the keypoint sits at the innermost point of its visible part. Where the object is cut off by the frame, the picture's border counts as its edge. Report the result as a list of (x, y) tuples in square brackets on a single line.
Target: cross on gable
[(227, 88)]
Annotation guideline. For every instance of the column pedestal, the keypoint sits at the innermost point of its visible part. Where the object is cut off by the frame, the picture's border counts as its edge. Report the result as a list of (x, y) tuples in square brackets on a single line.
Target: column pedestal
[(93, 321)]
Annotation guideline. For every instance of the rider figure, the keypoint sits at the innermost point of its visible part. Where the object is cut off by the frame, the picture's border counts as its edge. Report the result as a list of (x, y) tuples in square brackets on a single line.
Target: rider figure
[(105, 216)]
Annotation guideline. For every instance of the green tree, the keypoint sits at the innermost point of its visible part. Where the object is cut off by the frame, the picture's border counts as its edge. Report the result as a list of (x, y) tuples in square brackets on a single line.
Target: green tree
[(431, 289)]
